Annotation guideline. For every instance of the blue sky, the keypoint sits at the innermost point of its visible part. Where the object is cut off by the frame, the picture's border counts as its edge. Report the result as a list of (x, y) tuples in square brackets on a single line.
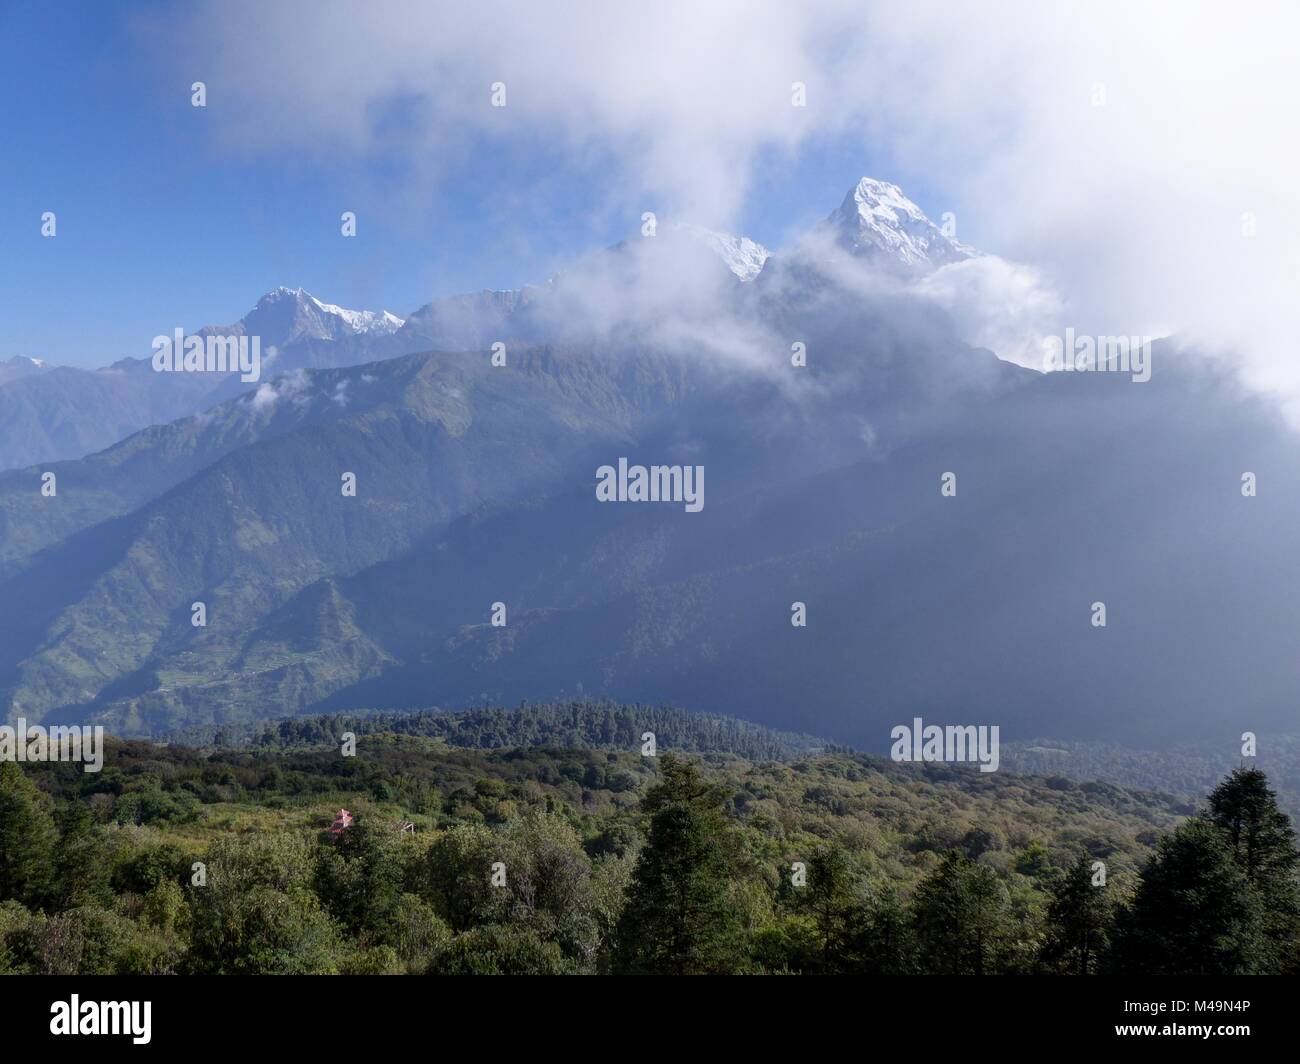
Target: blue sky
[(172, 216), (161, 225)]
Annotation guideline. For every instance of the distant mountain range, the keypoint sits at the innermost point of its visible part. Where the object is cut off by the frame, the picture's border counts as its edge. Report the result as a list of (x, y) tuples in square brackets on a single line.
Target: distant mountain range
[(475, 487), (53, 413)]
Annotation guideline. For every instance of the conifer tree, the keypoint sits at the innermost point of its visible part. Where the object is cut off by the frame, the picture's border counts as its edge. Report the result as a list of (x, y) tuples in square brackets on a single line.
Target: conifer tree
[(27, 838), (1260, 834), (1263, 843), (957, 916), (1080, 919), (1194, 912), (833, 902), (680, 916)]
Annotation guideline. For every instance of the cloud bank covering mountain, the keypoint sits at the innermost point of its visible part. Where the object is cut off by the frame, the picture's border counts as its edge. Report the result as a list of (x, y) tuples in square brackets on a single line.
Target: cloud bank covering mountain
[(832, 398), (1143, 166), (656, 287)]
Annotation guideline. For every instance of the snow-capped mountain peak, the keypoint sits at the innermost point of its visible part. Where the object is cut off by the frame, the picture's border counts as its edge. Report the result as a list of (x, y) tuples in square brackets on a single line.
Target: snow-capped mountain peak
[(876, 220), (364, 321), (742, 256), (295, 312), (20, 366)]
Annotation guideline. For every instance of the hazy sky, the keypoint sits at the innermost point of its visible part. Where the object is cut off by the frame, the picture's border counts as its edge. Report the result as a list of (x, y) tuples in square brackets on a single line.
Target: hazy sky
[(1144, 158)]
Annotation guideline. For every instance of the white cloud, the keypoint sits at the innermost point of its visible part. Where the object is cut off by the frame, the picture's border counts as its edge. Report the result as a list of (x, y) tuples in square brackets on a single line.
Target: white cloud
[(293, 386), (1133, 210), (680, 94), (1001, 305)]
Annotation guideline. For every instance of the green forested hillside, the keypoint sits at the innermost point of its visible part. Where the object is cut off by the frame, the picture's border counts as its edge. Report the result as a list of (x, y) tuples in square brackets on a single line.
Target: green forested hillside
[(597, 723), (1186, 771), (582, 859), (242, 508)]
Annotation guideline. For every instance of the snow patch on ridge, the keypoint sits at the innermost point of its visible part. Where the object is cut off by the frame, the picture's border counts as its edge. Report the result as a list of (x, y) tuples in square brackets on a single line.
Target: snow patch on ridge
[(742, 256)]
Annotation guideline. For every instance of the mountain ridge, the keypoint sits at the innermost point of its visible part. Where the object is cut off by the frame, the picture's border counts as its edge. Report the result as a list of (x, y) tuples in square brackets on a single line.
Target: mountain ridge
[(56, 413)]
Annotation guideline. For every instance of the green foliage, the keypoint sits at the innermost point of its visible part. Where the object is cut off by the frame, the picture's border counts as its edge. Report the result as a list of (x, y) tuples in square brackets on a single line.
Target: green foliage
[(361, 876), (152, 805), (1187, 772), (1220, 894), (87, 940), (19, 939), (1080, 921), (265, 931), (140, 870), (584, 725), (81, 863), (1194, 912), (27, 838), (1263, 843), (497, 949), (411, 928), (257, 912), (957, 918), (681, 917), (835, 903), (457, 876), (573, 859)]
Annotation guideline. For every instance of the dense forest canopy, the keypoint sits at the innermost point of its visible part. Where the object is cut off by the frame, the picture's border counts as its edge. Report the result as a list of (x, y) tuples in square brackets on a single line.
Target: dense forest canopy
[(550, 843), (588, 723)]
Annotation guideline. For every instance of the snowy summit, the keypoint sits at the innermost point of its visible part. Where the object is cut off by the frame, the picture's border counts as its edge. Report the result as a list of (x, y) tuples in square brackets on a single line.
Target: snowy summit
[(877, 221), (291, 313), (742, 256)]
